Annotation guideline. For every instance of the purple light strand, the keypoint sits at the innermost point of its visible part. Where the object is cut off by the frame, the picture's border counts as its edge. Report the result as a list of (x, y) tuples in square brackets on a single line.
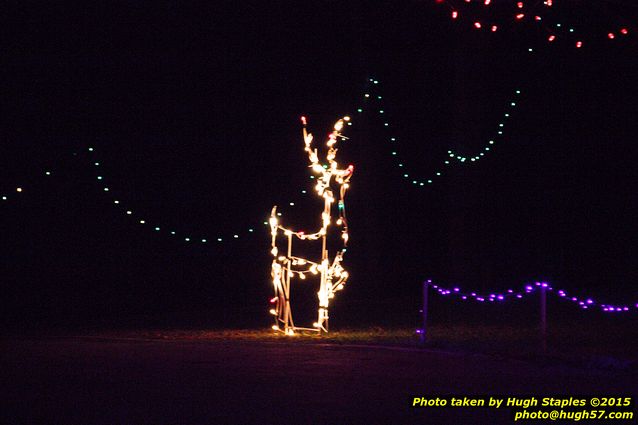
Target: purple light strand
[(584, 303)]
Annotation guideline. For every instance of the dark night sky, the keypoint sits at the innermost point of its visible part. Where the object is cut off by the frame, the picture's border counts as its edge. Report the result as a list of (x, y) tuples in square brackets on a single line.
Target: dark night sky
[(193, 110)]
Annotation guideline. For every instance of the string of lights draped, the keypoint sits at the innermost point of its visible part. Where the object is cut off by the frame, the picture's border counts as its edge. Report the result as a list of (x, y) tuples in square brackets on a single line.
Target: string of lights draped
[(373, 101), (494, 16), (18, 190), (6, 196), (128, 211), (287, 266), (585, 303)]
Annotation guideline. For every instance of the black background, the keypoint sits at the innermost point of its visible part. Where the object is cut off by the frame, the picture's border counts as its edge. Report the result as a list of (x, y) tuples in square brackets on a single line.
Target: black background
[(193, 113)]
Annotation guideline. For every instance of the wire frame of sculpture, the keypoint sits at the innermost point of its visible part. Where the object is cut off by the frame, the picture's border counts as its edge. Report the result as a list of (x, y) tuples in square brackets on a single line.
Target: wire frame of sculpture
[(286, 266)]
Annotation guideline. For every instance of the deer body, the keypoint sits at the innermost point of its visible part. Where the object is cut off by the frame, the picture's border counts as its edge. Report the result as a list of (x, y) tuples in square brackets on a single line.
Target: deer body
[(284, 267)]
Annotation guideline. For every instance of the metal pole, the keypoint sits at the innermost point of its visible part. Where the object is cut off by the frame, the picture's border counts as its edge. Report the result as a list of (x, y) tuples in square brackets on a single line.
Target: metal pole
[(543, 328), (424, 311)]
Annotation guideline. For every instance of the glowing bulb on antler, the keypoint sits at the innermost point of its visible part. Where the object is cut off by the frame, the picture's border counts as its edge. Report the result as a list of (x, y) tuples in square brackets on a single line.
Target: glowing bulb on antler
[(332, 274)]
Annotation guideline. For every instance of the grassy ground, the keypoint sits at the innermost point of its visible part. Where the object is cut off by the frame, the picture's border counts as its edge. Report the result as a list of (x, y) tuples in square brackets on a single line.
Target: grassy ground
[(602, 348)]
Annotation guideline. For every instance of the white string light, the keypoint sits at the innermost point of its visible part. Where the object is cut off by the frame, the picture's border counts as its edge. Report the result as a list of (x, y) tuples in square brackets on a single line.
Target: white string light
[(19, 189), (284, 267)]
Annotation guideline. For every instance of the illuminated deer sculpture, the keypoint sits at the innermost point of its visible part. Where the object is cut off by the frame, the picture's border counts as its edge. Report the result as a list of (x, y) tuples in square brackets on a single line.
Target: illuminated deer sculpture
[(286, 266)]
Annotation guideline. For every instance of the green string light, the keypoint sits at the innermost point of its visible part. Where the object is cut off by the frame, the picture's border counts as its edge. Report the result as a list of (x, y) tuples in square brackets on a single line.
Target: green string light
[(452, 155), (100, 178)]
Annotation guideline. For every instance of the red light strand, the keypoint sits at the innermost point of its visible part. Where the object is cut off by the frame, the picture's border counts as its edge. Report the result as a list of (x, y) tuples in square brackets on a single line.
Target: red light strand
[(521, 10)]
